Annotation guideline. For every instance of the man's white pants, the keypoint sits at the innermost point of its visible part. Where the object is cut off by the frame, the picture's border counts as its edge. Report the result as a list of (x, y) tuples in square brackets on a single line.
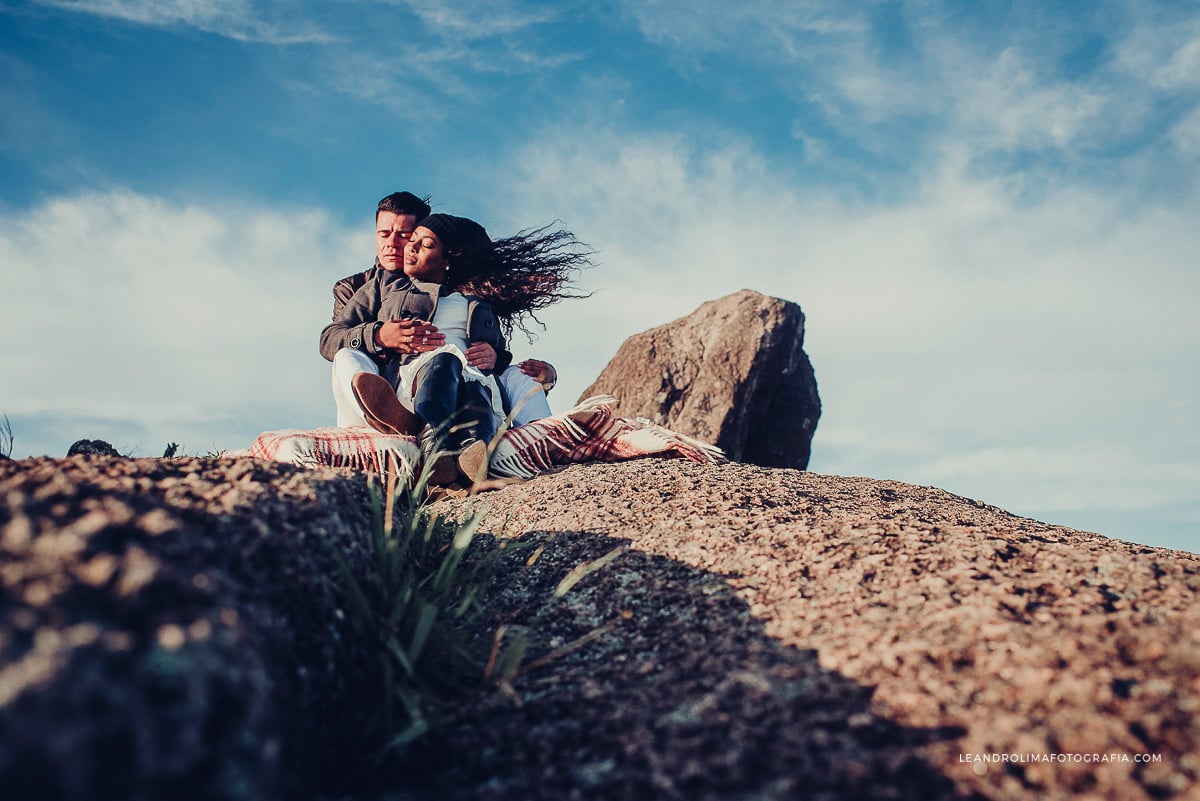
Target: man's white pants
[(523, 393), (526, 398), (348, 363)]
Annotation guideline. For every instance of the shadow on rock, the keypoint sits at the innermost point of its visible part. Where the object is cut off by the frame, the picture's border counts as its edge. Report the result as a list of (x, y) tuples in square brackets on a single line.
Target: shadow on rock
[(682, 696), (170, 628)]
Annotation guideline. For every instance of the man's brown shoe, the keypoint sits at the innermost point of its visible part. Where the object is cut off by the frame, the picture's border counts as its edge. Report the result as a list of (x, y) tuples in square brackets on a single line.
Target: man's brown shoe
[(381, 407), (473, 461), (443, 470)]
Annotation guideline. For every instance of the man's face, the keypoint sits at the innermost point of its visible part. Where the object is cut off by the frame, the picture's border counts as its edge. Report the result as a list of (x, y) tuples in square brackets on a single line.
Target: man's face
[(392, 232)]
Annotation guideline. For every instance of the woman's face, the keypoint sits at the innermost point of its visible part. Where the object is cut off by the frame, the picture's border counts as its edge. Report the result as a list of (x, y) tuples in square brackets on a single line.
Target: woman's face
[(425, 258)]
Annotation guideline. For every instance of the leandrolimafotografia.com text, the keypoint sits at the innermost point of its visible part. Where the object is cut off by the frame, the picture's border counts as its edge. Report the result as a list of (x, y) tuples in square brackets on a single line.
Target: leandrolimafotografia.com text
[(980, 762)]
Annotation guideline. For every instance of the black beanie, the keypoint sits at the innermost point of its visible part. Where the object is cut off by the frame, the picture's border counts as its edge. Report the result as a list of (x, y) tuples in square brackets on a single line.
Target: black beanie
[(456, 233)]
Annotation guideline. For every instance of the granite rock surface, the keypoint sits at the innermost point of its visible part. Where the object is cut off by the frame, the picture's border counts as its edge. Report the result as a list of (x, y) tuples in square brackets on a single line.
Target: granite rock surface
[(779, 634), (733, 373), (172, 628)]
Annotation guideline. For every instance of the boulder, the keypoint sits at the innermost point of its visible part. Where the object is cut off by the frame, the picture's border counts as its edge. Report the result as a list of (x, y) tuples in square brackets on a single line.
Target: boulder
[(733, 373), (92, 447)]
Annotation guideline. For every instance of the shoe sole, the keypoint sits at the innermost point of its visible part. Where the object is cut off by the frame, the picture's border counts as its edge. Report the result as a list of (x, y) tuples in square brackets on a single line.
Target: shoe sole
[(473, 461), (381, 407)]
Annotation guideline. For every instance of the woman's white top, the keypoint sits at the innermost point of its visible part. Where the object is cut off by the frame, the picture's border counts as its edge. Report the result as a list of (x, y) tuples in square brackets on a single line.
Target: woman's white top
[(450, 319)]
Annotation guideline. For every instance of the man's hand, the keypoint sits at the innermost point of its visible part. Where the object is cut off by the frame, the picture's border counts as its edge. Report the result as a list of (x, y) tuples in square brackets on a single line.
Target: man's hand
[(540, 371), (409, 336), (481, 355)]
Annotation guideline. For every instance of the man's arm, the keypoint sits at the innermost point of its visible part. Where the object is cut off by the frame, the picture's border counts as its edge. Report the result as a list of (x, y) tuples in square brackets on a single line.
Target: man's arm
[(541, 372), (355, 325), (344, 289)]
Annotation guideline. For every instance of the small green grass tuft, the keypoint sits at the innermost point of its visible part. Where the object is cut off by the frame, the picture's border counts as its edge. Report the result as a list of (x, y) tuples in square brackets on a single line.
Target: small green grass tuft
[(6, 438), (414, 610), (418, 618)]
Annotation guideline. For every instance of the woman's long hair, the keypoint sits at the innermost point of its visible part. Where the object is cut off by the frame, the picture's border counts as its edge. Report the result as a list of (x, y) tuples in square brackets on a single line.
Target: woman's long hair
[(523, 274)]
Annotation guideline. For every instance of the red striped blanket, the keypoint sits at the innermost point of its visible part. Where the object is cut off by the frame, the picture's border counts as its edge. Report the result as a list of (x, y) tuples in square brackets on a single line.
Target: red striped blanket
[(357, 447), (589, 432)]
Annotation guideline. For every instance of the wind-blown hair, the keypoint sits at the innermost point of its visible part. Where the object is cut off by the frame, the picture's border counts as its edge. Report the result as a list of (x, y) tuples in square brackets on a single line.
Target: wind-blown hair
[(522, 274)]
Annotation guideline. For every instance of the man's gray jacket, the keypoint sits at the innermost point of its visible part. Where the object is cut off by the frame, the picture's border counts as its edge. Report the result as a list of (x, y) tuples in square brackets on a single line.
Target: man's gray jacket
[(392, 295)]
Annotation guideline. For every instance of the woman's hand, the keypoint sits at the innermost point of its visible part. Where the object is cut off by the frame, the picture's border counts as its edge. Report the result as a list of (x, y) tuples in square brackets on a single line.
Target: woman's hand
[(409, 336), (481, 355)]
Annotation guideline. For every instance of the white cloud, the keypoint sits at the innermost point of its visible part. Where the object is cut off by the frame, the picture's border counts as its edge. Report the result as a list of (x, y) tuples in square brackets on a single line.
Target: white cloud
[(165, 315), (1050, 478), (779, 28), (992, 83), (443, 48), (234, 19), (1162, 51), (1186, 135), (1009, 106), (480, 19)]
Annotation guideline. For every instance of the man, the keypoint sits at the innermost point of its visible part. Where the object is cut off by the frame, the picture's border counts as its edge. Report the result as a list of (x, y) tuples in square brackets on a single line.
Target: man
[(360, 402)]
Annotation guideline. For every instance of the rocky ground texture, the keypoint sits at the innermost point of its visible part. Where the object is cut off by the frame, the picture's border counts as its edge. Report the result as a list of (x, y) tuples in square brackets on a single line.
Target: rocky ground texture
[(777, 634), (170, 628), (748, 633)]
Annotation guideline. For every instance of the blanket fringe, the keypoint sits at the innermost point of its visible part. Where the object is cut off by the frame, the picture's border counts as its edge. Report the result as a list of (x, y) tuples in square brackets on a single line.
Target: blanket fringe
[(691, 448)]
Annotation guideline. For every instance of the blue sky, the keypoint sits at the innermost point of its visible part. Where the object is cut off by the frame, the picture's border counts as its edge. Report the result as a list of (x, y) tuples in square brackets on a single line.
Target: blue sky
[(986, 210)]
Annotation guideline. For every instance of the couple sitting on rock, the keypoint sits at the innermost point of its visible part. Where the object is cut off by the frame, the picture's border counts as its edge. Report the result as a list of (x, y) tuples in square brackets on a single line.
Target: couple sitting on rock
[(418, 341)]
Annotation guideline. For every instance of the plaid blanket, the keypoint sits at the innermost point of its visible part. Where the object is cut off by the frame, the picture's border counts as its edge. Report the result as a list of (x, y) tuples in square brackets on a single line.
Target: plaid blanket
[(589, 432), (357, 447)]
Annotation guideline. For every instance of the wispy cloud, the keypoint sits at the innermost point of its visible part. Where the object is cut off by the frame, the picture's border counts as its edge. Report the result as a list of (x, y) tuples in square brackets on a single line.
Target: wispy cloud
[(466, 39), (1185, 135), (445, 50), (241, 20), (779, 28), (994, 82), (1162, 49), (479, 19), (1006, 105)]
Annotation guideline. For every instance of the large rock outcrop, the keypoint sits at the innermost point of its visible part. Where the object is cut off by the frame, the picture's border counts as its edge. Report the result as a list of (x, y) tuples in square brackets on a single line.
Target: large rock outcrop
[(776, 634), (172, 629), (733, 373)]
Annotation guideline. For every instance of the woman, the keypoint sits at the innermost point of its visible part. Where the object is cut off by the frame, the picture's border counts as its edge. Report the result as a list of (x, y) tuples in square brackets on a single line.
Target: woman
[(457, 299)]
